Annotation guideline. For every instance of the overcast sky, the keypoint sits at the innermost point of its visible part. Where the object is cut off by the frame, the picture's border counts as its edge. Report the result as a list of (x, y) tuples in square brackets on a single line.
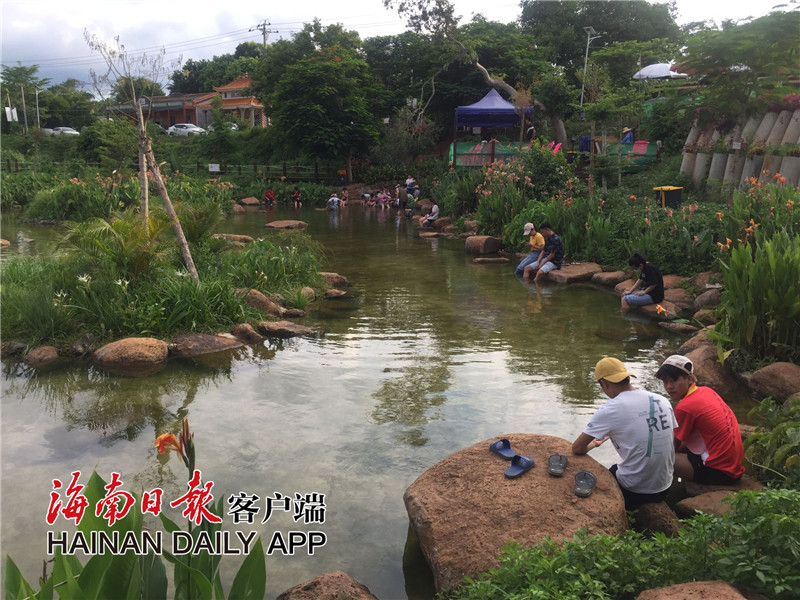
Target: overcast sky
[(51, 33)]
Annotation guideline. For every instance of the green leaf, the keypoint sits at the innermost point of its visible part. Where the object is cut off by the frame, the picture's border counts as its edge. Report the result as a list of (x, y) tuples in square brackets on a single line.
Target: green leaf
[(64, 575), (15, 587), (154, 577), (190, 584), (251, 579)]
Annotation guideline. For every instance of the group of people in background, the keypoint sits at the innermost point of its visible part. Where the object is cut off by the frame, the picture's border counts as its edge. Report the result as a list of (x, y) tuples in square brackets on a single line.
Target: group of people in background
[(405, 197)]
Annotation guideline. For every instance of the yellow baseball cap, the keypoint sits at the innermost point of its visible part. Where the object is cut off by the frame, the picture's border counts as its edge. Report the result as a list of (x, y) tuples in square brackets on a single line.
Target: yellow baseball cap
[(611, 369)]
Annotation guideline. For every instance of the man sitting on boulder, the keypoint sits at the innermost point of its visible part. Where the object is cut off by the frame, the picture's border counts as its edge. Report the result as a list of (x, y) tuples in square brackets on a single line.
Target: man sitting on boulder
[(550, 257), (640, 424), (708, 443)]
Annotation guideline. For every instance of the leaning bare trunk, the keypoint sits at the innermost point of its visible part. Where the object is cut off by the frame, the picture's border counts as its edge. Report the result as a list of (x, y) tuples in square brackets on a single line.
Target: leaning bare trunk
[(144, 206), (146, 150), (173, 217)]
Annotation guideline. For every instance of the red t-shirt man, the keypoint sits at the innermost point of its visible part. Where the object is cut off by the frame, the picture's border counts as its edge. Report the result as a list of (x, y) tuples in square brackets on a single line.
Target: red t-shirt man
[(709, 446)]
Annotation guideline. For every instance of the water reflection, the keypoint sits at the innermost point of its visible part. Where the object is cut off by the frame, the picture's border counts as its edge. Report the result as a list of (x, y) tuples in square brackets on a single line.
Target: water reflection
[(410, 395), (427, 353)]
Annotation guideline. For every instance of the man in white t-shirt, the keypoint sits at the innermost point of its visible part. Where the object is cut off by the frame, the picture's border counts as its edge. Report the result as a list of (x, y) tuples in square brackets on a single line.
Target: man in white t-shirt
[(641, 426)]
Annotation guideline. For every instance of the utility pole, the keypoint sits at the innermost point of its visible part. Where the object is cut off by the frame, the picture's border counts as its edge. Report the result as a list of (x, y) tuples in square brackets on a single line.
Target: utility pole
[(38, 125), (262, 27), (24, 112)]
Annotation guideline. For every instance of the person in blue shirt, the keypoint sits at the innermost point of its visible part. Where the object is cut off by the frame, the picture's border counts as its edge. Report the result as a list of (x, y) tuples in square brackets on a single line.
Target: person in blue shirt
[(551, 256), (627, 136)]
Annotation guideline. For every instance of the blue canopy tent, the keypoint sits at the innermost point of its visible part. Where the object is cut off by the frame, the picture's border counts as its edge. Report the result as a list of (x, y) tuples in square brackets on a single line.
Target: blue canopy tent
[(490, 111)]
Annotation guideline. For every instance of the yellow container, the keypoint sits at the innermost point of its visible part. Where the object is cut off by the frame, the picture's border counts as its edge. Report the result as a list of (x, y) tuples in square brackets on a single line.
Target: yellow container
[(670, 195)]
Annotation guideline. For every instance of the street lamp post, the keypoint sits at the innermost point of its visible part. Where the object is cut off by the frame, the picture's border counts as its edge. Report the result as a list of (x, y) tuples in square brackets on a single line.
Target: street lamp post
[(591, 34)]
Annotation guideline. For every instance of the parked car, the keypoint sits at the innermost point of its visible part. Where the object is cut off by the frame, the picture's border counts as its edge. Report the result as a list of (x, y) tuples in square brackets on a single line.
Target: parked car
[(64, 131), (231, 126), (186, 129)]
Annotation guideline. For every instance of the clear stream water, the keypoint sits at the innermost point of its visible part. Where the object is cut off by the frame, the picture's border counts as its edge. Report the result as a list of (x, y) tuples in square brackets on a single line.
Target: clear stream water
[(428, 353)]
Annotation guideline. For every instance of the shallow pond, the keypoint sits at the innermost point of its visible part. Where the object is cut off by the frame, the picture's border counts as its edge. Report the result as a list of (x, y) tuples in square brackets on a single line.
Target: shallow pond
[(428, 354)]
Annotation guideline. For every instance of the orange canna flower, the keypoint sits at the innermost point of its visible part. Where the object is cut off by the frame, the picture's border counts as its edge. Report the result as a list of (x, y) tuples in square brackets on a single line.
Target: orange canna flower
[(633, 198), (720, 215), (167, 442), (776, 176), (660, 309), (782, 180)]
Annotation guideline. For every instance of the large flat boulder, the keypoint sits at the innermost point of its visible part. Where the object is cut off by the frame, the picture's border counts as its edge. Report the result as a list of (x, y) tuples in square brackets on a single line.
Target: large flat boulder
[(697, 340), (745, 483), (574, 273), (708, 299), (710, 503), (609, 278), (246, 333), (709, 371), (780, 380), (679, 328), (282, 329), (442, 222), (41, 356), (682, 299), (656, 517), (482, 244), (233, 237), (133, 356), (696, 590), (260, 302), (667, 312), (329, 586), (288, 224), (249, 201), (672, 281), (624, 286), (334, 279), (702, 279), (463, 509), (197, 344)]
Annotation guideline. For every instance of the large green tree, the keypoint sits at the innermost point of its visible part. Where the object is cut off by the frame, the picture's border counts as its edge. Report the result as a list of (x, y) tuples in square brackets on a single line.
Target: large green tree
[(67, 104), (745, 67), (558, 26), (199, 76), (137, 87), (19, 82), (438, 18), (321, 108)]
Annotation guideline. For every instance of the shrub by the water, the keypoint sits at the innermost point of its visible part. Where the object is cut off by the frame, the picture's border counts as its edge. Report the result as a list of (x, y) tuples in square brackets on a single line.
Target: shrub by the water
[(757, 545)]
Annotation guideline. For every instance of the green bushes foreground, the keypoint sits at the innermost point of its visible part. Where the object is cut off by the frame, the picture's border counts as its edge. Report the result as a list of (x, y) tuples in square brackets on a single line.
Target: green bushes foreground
[(757, 545)]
